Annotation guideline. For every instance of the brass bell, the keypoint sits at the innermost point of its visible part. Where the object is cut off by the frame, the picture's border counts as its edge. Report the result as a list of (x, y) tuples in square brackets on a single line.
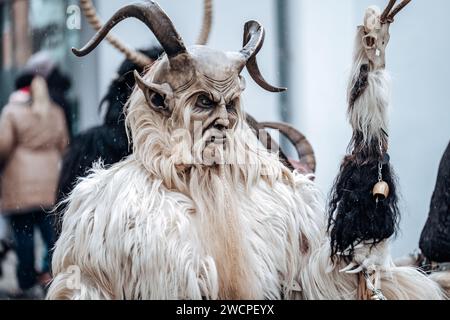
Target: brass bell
[(381, 190)]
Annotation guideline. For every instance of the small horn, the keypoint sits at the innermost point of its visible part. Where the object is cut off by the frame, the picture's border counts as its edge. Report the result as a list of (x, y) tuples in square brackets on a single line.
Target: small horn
[(386, 11), (399, 8), (254, 35), (207, 23), (153, 17), (94, 20), (303, 147)]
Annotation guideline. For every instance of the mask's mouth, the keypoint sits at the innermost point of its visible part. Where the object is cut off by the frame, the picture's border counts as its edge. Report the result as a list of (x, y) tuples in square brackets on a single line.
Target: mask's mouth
[(215, 136), (210, 149), (215, 133)]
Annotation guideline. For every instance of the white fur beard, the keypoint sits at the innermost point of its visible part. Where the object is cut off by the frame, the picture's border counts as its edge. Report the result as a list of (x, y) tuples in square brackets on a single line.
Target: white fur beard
[(221, 228)]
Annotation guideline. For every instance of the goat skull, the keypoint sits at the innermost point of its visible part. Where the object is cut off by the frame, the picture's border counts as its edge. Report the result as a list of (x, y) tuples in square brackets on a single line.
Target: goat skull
[(375, 32)]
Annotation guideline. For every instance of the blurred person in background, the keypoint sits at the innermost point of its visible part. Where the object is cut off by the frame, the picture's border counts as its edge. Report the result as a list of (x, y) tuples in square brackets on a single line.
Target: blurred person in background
[(108, 142), (58, 83), (33, 137)]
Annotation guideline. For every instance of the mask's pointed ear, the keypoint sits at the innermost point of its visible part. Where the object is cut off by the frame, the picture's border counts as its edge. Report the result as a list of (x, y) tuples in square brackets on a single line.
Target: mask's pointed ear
[(158, 96)]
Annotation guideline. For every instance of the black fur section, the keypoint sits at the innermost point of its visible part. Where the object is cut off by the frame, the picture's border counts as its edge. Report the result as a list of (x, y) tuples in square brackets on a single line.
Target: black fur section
[(354, 215), (360, 85), (435, 238)]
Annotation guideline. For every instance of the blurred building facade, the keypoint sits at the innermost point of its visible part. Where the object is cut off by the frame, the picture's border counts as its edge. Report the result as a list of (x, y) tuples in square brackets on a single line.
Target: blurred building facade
[(27, 27), (308, 47)]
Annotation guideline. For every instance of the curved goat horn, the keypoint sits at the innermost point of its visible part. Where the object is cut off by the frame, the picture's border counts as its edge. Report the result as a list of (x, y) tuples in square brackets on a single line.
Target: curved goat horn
[(94, 20), (207, 23), (303, 147), (253, 41), (390, 12), (267, 141), (153, 17)]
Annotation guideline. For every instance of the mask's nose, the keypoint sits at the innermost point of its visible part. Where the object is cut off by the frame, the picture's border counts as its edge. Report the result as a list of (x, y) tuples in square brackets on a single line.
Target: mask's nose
[(222, 121), (222, 124)]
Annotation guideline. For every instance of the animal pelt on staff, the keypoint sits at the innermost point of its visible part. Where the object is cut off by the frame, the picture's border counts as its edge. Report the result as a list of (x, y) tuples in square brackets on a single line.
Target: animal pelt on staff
[(200, 210), (363, 211), (358, 213)]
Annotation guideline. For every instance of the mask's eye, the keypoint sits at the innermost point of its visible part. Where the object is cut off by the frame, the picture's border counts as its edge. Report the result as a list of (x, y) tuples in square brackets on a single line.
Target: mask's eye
[(204, 102), (158, 101), (369, 42), (231, 107)]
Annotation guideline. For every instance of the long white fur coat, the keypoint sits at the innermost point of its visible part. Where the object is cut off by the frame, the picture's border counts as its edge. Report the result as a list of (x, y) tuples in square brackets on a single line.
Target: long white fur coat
[(132, 238)]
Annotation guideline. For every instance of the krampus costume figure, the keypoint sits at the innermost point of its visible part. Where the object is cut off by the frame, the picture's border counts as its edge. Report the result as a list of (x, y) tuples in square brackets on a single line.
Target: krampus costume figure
[(364, 201), (200, 209)]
